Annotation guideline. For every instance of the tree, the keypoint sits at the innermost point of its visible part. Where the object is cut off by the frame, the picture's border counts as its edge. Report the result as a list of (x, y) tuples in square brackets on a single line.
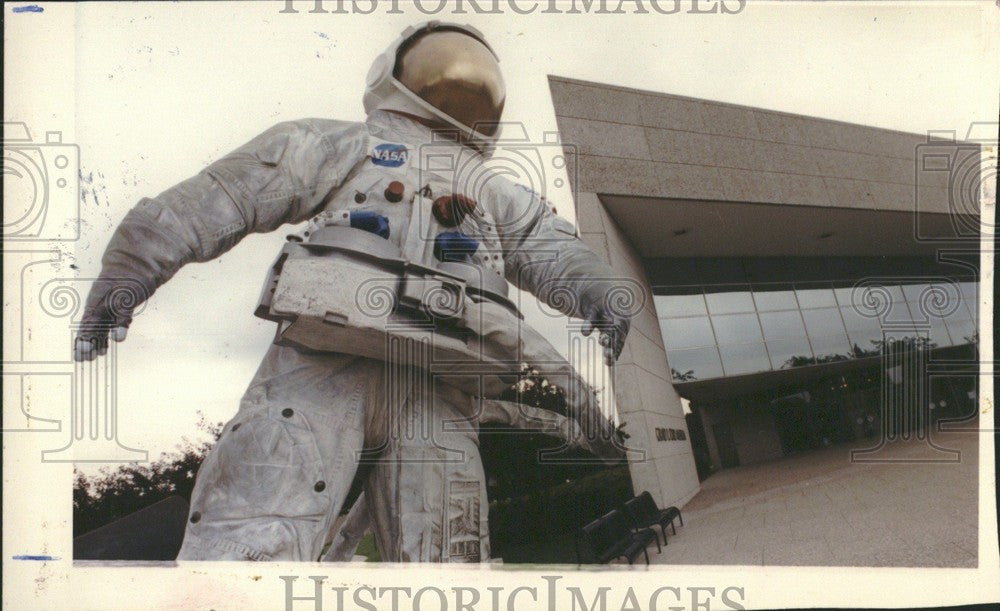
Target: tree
[(686, 376), (899, 345), (114, 494), (102, 499), (534, 390)]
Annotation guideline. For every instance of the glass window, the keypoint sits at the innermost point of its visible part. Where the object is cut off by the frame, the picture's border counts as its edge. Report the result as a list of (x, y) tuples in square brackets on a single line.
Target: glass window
[(686, 332), (855, 320), (847, 295), (827, 348), (939, 336), (815, 297), (824, 321), (912, 292), (942, 299), (914, 314), (970, 295), (899, 312), (729, 302), (897, 340), (679, 305), (895, 291), (939, 305), (961, 331), (697, 364), (935, 306), (871, 303), (908, 331), (781, 325), (843, 295), (736, 328), (973, 307), (744, 358), (865, 342), (787, 353), (775, 300), (969, 288)]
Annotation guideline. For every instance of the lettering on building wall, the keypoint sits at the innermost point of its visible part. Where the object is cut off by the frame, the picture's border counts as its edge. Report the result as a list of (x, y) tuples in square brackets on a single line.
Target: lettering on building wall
[(663, 434)]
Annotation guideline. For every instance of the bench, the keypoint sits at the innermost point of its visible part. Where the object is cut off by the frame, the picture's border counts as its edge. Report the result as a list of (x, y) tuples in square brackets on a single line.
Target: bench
[(643, 513), (609, 537)]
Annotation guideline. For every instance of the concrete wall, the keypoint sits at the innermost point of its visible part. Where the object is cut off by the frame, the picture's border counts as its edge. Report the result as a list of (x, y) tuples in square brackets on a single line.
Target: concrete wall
[(640, 143), (644, 396), (754, 431)]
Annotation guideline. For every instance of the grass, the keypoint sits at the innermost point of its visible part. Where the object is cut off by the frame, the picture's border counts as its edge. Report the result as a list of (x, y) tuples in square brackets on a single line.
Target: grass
[(368, 549)]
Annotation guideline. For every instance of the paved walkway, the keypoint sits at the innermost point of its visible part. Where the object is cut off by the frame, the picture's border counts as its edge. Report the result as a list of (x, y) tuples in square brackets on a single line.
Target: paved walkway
[(820, 509)]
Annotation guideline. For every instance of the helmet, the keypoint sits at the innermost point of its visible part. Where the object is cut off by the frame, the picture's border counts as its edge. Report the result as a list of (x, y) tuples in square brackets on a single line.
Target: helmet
[(445, 73)]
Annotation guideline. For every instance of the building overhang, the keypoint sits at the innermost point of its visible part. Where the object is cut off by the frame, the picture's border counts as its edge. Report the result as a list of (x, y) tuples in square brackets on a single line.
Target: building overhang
[(659, 227), (688, 177)]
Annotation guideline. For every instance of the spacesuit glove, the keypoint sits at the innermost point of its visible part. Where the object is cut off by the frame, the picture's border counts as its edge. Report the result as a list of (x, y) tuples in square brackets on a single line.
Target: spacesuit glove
[(613, 328), (584, 408), (109, 310)]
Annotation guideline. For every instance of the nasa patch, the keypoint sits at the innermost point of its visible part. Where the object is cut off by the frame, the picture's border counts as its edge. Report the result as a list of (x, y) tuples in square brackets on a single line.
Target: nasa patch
[(390, 155)]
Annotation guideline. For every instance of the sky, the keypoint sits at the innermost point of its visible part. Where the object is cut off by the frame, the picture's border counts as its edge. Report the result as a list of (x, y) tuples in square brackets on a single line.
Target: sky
[(152, 93)]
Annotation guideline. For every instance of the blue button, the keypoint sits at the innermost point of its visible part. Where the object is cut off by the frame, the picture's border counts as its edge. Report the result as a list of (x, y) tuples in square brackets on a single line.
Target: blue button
[(372, 222), (454, 246)]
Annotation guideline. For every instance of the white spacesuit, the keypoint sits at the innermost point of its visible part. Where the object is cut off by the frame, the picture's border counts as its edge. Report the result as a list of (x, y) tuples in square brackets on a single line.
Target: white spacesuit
[(278, 476)]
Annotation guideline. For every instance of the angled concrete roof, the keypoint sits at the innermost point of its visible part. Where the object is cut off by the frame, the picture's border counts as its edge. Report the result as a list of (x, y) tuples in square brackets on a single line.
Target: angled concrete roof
[(642, 143), (637, 146)]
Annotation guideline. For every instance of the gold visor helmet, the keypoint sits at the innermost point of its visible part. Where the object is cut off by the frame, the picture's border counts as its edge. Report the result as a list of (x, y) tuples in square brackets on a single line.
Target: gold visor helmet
[(446, 74)]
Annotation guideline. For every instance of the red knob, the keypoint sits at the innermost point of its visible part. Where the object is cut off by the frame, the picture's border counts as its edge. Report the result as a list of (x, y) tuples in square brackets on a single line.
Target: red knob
[(449, 210), (394, 192)]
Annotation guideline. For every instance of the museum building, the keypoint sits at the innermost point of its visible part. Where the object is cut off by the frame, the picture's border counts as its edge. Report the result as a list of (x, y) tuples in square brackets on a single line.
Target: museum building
[(807, 282)]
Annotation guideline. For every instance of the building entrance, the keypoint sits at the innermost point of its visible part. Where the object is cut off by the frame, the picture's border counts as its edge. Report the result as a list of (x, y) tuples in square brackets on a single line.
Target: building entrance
[(826, 407), (791, 419)]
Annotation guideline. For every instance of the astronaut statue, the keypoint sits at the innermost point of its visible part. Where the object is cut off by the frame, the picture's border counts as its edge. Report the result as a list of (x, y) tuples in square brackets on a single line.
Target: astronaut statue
[(401, 267)]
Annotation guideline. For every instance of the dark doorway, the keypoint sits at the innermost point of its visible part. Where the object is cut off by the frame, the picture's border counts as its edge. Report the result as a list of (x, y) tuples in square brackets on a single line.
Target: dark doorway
[(792, 421), (723, 432), (699, 444), (830, 407)]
